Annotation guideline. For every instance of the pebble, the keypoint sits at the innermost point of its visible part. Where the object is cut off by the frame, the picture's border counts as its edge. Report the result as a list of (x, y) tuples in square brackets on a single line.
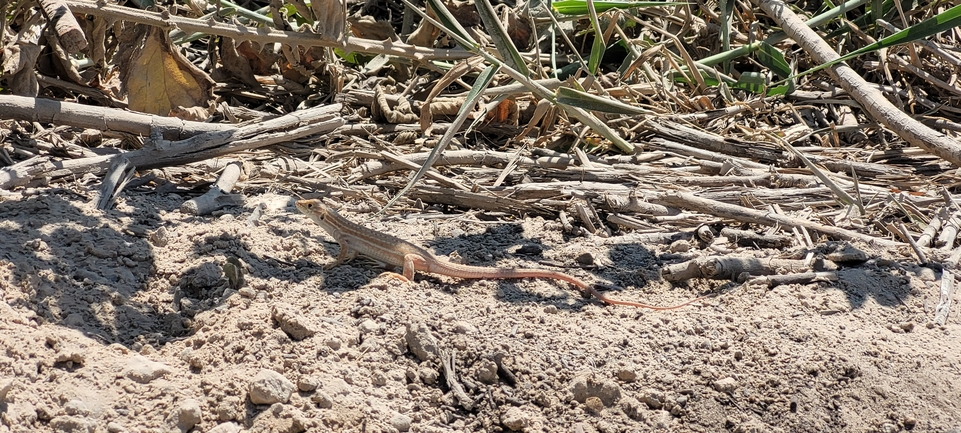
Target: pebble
[(307, 383), (70, 354), (421, 342), (186, 415), (5, 385), (368, 326), (594, 404), (269, 387), (464, 327), (76, 407), (626, 374), (400, 422), (585, 386), (322, 400), (653, 398), (727, 385), (72, 424), (142, 370), (292, 322), (515, 419), (226, 427), (487, 371), (115, 427)]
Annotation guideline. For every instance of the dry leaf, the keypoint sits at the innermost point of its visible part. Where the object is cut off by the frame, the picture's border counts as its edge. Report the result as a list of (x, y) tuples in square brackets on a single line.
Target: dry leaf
[(156, 77), (331, 18), (18, 68)]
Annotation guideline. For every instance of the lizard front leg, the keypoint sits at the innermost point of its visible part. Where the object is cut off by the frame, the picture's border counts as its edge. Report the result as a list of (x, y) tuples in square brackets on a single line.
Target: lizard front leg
[(345, 255)]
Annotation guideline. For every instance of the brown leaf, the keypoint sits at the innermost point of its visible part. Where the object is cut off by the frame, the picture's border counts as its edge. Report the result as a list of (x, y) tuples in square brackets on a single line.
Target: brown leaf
[(156, 77), (18, 64), (331, 18)]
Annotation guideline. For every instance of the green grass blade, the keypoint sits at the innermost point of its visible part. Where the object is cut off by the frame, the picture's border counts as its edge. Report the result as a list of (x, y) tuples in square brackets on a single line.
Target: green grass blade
[(944, 21), (579, 7), (505, 46), (450, 24), (483, 81), (587, 101)]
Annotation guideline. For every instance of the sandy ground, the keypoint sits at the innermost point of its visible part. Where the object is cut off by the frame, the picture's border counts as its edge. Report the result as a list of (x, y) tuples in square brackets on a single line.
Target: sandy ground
[(134, 320)]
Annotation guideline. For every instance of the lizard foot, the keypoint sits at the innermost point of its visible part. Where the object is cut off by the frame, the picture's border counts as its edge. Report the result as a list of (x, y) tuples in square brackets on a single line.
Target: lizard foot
[(395, 275)]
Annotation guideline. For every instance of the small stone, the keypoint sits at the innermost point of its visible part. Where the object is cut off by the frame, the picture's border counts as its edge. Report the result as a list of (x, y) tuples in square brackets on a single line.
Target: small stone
[(70, 354), (594, 404), (428, 375), (322, 400), (115, 427), (333, 343), (307, 383), (76, 407), (400, 422), (907, 326), (292, 322), (5, 385), (72, 424), (653, 398), (587, 386), (632, 408), (910, 422), (487, 371), (269, 387), (227, 427), (368, 326), (247, 292), (464, 327), (186, 415), (627, 375), (515, 419), (421, 342), (142, 370), (889, 427), (726, 385), (550, 309), (585, 259)]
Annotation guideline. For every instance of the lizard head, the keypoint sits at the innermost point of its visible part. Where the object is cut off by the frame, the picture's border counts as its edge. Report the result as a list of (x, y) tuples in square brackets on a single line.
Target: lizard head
[(315, 209)]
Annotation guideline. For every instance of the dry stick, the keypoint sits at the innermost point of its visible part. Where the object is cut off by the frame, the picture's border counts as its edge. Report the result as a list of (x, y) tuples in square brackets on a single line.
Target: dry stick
[(724, 210), (873, 102), (69, 32), (100, 118), (729, 268), (208, 146), (219, 195), (944, 303), (264, 36)]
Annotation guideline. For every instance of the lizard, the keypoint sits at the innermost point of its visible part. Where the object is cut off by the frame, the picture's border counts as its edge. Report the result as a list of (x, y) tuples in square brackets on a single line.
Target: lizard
[(356, 239)]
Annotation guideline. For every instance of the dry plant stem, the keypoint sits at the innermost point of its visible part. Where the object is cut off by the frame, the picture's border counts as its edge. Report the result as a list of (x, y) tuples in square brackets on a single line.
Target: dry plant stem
[(944, 303), (802, 278), (747, 238), (219, 195), (932, 228), (471, 200), (264, 36), (69, 32), (922, 258), (198, 148), (447, 359), (871, 100), (729, 268), (100, 118), (724, 210)]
